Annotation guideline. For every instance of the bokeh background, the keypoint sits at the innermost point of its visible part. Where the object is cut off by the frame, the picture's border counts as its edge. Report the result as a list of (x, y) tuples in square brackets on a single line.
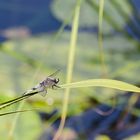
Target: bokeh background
[(34, 42)]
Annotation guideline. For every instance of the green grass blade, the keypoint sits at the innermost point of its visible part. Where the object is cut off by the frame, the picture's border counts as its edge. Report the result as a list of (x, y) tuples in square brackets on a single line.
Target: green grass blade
[(100, 38), (13, 112), (109, 83), (71, 58), (13, 101)]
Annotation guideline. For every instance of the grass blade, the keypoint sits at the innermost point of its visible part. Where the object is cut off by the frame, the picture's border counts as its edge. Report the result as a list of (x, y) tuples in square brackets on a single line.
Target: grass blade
[(109, 83), (13, 101), (70, 65), (13, 112), (100, 39)]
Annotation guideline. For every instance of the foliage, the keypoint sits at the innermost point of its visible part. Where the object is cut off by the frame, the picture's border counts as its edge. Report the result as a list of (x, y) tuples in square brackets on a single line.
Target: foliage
[(24, 62)]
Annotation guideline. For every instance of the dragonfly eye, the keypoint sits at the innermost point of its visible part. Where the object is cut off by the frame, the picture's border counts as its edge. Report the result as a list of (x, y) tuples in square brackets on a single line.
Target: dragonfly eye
[(56, 81)]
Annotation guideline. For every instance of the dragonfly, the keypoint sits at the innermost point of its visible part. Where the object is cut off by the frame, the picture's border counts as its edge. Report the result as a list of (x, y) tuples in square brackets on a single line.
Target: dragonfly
[(49, 82)]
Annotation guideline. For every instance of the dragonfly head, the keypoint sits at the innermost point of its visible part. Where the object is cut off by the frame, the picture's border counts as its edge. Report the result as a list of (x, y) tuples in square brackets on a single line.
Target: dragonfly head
[(56, 80)]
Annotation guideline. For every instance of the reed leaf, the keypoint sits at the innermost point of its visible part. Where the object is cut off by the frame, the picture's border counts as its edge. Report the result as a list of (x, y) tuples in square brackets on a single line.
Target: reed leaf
[(13, 112), (109, 83)]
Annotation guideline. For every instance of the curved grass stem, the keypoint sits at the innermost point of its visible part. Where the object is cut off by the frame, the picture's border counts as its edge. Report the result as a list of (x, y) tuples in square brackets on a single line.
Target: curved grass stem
[(70, 65), (100, 39)]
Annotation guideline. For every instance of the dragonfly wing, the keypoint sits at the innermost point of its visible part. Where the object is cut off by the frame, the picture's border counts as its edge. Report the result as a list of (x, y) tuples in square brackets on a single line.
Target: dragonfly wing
[(43, 93), (53, 74)]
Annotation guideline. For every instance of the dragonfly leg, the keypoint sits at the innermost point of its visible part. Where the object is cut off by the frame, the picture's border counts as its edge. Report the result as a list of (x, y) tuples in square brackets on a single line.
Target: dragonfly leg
[(55, 86)]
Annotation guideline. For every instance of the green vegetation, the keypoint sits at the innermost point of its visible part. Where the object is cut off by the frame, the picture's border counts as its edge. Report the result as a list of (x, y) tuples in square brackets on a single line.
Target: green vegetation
[(25, 62)]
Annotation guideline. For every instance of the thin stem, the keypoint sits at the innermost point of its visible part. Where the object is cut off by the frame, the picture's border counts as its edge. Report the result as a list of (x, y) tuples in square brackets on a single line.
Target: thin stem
[(100, 38), (8, 103), (70, 65), (13, 112)]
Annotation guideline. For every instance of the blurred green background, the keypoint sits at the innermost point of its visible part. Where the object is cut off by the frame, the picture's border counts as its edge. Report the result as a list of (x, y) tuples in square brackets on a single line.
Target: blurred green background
[(35, 40)]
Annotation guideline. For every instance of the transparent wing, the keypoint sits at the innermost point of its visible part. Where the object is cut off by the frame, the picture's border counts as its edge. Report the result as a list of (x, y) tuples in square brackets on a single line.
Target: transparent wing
[(43, 93), (53, 74), (41, 89)]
